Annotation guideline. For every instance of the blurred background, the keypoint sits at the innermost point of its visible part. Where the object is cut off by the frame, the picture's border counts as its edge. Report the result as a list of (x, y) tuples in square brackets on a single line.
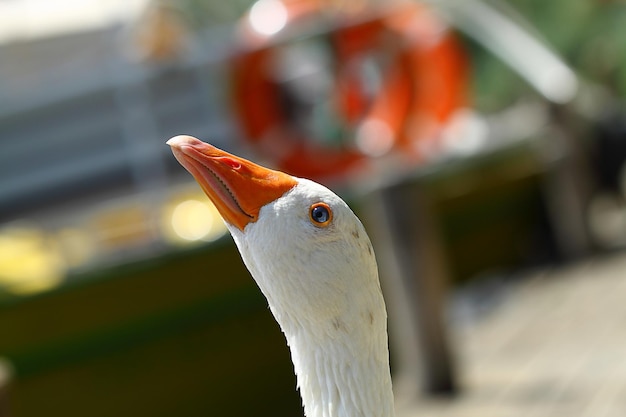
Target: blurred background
[(482, 143)]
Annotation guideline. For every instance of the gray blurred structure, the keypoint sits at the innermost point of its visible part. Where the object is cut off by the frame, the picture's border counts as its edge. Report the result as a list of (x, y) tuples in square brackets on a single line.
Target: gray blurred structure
[(80, 117)]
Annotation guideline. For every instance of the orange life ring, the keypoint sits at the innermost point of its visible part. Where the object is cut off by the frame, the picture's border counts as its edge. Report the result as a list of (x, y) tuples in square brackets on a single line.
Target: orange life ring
[(420, 71)]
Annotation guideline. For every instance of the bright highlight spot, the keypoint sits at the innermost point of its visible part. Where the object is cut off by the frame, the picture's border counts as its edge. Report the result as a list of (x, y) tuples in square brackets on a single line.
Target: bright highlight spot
[(374, 137), (559, 84), (195, 220), (465, 133), (268, 17), (29, 261)]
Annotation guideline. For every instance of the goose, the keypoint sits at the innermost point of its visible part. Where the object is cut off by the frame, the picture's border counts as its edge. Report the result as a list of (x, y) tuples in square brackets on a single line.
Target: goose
[(313, 261)]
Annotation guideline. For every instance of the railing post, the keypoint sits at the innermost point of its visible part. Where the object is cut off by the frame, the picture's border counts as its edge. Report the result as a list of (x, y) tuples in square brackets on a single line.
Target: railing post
[(408, 230)]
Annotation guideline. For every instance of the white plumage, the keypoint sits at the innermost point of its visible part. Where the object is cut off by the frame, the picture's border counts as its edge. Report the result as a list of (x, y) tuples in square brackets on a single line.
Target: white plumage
[(313, 261)]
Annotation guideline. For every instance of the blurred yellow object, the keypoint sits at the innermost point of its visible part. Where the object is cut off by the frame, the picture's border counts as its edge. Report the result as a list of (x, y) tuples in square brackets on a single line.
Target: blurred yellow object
[(76, 245), (191, 218), (30, 262), (160, 33), (122, 226)]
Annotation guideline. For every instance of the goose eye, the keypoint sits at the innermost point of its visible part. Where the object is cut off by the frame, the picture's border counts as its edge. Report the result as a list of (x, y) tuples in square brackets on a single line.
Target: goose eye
[(321, 215)]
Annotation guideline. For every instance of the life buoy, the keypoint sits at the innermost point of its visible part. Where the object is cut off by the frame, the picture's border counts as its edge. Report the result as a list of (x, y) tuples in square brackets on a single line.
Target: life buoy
[(386, 81)]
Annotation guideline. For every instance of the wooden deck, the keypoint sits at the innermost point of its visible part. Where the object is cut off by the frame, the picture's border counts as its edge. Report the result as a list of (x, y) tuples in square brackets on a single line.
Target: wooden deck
[(551, 344)]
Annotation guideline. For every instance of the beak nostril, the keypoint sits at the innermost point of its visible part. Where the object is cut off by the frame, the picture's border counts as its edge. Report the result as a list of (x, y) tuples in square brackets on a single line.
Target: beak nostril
[(233, 163)]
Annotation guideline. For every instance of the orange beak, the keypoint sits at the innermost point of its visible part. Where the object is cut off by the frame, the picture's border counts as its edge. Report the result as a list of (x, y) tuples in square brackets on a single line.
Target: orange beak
[(237, 187)]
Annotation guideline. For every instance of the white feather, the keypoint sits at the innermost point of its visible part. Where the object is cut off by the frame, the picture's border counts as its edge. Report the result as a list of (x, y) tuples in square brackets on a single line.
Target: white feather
[(322, 287)]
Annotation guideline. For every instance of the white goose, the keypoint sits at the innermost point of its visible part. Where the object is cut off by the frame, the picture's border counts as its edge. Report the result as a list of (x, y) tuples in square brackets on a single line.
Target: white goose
[(312, 259)]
